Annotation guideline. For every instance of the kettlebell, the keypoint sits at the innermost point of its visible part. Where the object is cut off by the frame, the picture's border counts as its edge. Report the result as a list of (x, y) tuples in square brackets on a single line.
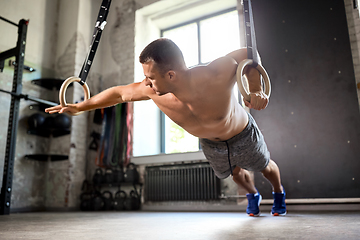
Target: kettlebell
[(133, 201), (131, 174), (97, 202), (85, 202), (109, 176), (118, 176), (61, 121), (119, 200), (98, 177), (49, 122), (86, 186), (108, 201), (36, 121)]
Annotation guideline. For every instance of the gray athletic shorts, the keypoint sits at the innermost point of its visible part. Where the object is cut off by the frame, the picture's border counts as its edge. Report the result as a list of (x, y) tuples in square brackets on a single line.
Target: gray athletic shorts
[(246, 150)]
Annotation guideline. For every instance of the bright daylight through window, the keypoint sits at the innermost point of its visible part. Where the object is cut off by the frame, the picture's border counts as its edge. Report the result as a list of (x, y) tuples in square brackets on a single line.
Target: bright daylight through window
[(201, 42)]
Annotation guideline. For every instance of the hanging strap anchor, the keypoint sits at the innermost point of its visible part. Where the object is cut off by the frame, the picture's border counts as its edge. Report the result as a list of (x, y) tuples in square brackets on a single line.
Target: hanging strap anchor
[(99, 27), (252, 55)]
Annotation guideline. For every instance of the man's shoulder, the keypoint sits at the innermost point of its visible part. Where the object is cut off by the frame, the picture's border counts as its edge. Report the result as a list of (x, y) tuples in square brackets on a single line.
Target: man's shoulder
[(221, 70)]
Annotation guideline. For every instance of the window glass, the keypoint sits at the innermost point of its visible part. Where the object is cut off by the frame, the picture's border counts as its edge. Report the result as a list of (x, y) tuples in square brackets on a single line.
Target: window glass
[(177, 139), (219, 36), (186, 38)]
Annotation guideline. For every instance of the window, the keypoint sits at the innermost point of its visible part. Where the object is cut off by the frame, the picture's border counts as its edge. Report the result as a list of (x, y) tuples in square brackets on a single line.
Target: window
[(201, 41)]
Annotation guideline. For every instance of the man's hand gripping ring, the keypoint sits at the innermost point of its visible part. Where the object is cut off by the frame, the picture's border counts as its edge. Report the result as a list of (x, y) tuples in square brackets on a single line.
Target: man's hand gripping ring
[(240, 76), (63, 88)]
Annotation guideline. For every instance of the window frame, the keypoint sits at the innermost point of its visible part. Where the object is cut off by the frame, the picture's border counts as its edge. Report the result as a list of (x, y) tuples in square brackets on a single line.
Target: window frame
[(197, 21)]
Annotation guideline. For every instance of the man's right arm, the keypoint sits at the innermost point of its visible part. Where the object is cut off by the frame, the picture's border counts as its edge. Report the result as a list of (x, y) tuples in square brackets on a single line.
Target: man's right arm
[(107, 98)]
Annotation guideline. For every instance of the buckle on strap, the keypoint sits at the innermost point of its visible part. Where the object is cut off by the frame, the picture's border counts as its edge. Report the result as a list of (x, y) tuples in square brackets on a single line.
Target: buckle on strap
[(100, 26)]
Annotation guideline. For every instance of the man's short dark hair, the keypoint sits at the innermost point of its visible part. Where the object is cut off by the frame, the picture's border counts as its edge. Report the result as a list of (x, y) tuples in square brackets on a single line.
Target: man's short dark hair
[(165, 53)]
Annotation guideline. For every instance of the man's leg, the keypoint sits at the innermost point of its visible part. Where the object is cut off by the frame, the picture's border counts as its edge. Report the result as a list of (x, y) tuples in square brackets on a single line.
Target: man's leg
[(272, 173), (243, 179)]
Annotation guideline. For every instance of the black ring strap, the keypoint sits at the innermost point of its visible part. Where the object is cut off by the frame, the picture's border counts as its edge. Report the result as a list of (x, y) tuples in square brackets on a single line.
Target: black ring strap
[(99, 27), (250, 33)]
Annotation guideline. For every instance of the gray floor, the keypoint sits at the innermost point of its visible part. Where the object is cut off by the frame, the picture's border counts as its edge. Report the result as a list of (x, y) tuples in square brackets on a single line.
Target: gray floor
[(179, 225)]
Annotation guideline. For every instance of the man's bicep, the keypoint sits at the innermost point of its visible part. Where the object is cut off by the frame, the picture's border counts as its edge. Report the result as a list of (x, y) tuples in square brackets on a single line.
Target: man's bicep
[(233, 58), (222, 67), (241, 54), (238, 55), (134, 92)]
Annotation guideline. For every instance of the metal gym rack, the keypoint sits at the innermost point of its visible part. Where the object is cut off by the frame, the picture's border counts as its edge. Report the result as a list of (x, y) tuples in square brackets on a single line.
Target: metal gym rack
[(19, 53)]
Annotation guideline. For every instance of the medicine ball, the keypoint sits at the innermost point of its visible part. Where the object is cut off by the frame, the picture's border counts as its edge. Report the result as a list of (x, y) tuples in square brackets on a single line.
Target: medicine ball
[(62, 121), (36, 121), (49, 122)]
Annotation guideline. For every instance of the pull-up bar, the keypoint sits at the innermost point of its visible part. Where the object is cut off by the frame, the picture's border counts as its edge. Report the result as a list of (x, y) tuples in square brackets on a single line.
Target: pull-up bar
[(8, 21), (27, 97)]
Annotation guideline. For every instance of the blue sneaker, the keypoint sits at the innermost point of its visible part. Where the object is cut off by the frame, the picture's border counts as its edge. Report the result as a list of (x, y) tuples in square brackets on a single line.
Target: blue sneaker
[(279, 207), (253, 204)]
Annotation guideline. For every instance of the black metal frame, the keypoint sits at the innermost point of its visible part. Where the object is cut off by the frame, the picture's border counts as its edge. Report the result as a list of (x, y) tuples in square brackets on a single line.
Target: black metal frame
[(19, 53), (16, 96)]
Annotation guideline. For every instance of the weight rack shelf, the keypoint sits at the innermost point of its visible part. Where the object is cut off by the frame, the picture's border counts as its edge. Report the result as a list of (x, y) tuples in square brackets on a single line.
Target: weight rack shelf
[(118, 184), (138, 189), (47, 132), (39, 107), (46, 157), (49, 83)]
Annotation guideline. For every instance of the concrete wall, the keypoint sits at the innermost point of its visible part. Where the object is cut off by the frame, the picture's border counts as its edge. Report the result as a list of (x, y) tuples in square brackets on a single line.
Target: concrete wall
[(58, 40), (303, 138), (29, 182)]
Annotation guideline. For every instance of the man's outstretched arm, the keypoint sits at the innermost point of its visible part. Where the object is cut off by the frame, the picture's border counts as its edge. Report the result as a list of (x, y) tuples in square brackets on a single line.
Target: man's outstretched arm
[(107, 98)]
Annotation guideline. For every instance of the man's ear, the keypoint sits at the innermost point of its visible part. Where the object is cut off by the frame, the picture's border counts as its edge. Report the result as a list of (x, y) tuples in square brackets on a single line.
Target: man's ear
[(171, 75)]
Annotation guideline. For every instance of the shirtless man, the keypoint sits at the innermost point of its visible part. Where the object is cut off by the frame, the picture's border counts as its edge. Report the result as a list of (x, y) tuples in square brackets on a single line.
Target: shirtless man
[(202, 102)]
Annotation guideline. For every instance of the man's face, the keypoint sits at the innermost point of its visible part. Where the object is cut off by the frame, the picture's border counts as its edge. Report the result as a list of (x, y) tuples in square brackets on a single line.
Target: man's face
[(154, 79)]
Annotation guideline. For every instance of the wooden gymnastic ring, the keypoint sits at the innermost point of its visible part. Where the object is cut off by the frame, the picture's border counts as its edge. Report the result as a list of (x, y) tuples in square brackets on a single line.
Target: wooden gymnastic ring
[(63, 88), (240, 75)]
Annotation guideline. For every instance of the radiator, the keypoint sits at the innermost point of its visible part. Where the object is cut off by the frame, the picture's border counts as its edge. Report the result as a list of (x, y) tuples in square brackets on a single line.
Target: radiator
[(185, 182)]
